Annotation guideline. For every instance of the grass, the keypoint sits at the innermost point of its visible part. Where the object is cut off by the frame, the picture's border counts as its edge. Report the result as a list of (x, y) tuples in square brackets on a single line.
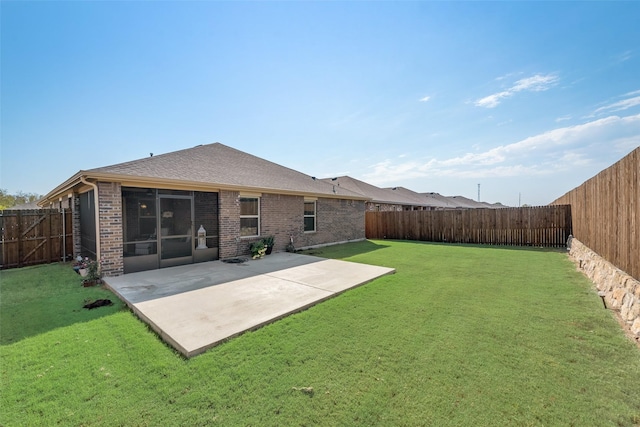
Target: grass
[(38, 299), (460, 335)]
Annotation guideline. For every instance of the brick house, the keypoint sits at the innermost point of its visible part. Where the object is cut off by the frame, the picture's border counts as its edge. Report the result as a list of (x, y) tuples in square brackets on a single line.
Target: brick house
[(145, 214), (383, 199), (403, 199)]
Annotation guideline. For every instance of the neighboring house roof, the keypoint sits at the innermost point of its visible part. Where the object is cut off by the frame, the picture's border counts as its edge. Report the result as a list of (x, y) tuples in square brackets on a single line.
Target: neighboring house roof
[(376, 194), (212, 166), (469, 203), (24, 206), (406, 197), (464, 202), (441, 201), (497, 205), (422, 199), (461, 202)]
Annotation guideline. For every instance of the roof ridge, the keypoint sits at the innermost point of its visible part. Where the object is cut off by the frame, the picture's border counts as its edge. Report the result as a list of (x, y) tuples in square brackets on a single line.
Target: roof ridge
[(220, 166), (155, 156)]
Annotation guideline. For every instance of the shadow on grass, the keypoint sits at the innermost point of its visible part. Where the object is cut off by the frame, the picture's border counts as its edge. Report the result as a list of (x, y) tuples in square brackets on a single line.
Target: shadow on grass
[(348, 249), (530, 248), (41, 298), (358, 248)]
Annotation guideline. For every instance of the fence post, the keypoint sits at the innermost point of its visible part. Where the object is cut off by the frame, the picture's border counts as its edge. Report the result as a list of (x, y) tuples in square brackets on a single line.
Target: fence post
[(47, 236), (20, 239)]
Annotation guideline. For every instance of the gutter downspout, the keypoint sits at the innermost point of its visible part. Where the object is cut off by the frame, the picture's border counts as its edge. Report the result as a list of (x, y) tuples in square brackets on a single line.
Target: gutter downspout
[(97, 214)]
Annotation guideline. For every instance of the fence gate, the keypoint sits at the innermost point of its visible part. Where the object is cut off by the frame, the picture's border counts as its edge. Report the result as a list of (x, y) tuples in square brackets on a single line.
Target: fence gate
[(31, 237)]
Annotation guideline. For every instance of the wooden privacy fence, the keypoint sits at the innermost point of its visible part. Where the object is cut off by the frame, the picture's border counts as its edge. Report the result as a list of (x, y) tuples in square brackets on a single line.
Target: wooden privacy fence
[(548, 226), (606, 213), (32, 237)]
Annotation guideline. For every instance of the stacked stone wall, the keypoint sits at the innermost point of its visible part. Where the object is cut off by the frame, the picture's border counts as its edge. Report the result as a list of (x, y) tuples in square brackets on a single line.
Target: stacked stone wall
[(620, 291)]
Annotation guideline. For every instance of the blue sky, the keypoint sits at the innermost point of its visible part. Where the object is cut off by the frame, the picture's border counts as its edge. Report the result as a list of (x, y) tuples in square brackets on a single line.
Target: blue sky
[(527, 99)]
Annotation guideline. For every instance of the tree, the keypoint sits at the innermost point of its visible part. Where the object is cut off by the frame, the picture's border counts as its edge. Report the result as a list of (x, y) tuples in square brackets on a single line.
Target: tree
[(10, 200)]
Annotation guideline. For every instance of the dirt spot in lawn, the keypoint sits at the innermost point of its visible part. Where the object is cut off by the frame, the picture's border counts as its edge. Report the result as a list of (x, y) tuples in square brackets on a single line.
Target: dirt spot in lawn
[(98, 303)]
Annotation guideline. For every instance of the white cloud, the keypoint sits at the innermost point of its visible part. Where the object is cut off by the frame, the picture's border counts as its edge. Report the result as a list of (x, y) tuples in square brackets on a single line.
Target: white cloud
[(490, 157), (492, 101), (622, 105), (537, 83), (550, 152), (624, 56), (425, 99)]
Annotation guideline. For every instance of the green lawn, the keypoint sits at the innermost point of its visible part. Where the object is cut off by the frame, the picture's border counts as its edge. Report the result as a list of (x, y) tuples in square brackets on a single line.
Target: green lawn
[(459, 336)]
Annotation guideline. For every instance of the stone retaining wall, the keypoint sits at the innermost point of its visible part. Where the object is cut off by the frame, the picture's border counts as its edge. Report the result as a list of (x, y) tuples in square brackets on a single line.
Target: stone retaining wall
[(621, 292)]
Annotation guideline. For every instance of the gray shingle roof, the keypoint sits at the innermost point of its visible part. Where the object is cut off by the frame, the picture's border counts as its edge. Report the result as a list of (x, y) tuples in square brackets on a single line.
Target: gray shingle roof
[(24, 206), (377, 194), (441, 201), (457, 202), (219, 165), (422, 199)]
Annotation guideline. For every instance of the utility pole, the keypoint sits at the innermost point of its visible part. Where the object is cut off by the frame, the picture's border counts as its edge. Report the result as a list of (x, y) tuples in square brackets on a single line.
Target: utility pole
[(478, 192)]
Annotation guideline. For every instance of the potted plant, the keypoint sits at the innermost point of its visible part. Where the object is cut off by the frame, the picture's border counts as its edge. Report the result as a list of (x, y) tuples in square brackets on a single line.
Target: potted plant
[(92, 275), (258, 249), (268, 243)]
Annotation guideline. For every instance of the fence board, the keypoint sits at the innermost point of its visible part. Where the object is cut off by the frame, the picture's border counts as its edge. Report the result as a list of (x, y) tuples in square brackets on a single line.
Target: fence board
[(606, 213), (548, 226), (31, 237)]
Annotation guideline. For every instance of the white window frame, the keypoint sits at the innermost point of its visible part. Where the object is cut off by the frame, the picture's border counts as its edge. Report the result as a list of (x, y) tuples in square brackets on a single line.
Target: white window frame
[(252, 197), (314, 216)]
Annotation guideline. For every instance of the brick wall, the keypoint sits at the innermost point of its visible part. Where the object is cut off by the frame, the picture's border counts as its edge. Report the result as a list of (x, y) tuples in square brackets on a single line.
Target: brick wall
[(382, 207), (110, 229), (337, 220), (229, 224), (282, 216)]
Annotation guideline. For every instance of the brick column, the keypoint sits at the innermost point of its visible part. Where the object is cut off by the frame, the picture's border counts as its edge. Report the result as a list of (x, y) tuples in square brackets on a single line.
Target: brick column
[(110, 228), (229, 224)]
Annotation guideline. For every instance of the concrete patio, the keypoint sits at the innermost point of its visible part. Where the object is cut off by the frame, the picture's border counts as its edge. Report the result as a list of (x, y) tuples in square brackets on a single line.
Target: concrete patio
[(194, 307)]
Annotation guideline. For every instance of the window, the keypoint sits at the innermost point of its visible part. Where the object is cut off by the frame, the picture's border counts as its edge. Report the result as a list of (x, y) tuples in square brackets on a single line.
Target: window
[(309, 216), (249, 216)]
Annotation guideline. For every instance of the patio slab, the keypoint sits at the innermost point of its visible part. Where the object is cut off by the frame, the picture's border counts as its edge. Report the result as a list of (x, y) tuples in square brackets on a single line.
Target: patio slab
[(194, 307)]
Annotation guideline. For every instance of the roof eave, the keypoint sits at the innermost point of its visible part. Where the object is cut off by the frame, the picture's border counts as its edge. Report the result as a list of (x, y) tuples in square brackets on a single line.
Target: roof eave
[(63, 188), (140, 181)]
